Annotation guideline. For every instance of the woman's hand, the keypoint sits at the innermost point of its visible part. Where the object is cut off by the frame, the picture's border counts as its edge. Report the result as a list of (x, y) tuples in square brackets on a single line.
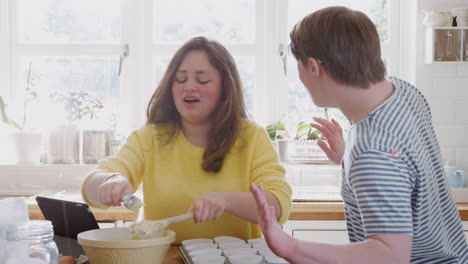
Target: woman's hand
[(208, 207), (113, 188), (334, 134)]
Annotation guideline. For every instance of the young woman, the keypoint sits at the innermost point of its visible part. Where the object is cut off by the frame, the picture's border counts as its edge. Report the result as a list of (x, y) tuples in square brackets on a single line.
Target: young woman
[(197, 152)]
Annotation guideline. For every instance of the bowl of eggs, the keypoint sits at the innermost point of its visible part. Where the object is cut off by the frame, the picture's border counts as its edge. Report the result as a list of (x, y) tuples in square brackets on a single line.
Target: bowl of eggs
[(119, 246)]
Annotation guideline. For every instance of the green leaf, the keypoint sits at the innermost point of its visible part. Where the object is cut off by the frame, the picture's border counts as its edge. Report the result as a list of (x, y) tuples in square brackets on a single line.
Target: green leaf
[(271, 130), (314, 135), (2, 109), (280, 125), (14, 124), (5, 118), (300, 133), (302, 126)]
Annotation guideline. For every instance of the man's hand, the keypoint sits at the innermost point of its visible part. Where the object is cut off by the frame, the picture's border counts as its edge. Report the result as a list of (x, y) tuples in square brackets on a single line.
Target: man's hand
[(278, 241), (334, 134)]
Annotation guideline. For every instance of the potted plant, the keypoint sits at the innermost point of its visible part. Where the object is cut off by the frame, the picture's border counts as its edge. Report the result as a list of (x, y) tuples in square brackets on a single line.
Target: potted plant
[(305, 147), (64, 143), (306, 132), (26, 142), (277, 131), (279, 136)]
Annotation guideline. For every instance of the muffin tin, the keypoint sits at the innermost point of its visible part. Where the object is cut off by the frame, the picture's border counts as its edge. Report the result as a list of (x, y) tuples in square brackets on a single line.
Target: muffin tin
[(228, 250)]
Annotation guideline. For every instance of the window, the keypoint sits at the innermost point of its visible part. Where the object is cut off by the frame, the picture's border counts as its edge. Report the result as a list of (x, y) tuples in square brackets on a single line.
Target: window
[(65, 45), (232, 23), (78, 45), (300, 107)]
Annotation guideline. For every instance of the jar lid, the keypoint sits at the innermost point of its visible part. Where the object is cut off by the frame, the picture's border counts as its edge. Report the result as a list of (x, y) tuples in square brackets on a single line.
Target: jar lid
[(30, 228)]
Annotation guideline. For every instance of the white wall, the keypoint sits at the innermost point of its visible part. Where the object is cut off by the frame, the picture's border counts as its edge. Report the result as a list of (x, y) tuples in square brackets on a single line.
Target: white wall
[(446, 88)]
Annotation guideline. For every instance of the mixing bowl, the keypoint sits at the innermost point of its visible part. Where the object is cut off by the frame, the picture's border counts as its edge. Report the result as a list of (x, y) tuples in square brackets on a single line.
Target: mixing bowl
[(115, 246)]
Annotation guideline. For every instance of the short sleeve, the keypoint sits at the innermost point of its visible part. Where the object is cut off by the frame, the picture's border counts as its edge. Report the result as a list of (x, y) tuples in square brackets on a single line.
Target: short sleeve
[(382, 188)]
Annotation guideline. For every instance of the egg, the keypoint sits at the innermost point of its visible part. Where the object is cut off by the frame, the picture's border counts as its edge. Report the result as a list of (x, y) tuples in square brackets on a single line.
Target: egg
[(67, 260)]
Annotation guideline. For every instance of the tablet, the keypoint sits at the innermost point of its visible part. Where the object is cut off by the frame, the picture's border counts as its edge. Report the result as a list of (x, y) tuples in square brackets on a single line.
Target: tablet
[(68, 218)]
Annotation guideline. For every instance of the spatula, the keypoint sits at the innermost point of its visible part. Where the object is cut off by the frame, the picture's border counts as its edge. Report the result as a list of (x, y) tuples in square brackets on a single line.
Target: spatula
[(151, 227)]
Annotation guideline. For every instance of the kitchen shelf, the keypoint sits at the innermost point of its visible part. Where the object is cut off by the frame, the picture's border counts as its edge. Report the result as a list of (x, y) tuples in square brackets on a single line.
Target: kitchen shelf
[(446, 45)]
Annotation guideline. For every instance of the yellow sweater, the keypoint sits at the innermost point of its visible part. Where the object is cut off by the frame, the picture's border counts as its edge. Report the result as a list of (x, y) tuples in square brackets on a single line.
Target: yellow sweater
[(172, 178)]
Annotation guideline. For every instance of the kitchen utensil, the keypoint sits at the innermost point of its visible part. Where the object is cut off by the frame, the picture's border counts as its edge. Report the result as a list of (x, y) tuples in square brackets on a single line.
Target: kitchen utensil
[(150, 227), (96, 145), (245, 259), (227, 239), (189, 242), (240, 251), (64, 145), (206, 251), (209, 259), (200, 246), (132, 202), (117, 246)]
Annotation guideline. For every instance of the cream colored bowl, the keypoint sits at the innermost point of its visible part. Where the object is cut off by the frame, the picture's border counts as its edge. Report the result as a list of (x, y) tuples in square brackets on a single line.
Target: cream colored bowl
[(115, 246)]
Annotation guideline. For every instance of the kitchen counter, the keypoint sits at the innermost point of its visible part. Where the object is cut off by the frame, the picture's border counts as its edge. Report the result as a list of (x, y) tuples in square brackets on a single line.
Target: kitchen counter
[(118, 213), (173, 256), (300, 210), (335, 211)]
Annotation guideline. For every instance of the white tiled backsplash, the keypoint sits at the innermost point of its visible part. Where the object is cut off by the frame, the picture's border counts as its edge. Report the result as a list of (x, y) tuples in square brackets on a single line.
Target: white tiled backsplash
[(31, 179), (446, 88), (314, 181)]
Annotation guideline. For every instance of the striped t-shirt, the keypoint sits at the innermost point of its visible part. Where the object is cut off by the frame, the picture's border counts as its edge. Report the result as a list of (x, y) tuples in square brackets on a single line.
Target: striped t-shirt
[(393, 180)]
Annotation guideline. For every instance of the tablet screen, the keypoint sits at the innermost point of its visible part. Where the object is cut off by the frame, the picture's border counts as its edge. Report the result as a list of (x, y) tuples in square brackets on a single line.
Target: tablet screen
[(68, 218)]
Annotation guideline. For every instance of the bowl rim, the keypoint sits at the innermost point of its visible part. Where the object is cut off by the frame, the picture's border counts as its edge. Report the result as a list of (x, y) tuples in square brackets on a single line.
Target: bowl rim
[(168, 239)]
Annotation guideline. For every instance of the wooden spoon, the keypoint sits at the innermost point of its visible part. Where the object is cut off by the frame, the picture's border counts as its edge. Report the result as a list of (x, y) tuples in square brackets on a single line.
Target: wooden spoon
[(151, 227)]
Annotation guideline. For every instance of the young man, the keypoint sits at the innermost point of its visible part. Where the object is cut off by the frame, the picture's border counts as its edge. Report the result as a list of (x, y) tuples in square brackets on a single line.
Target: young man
[(398, 205)]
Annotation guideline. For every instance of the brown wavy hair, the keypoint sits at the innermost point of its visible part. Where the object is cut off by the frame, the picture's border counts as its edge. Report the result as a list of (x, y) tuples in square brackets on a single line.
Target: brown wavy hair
[(345, 41), (229, 112)]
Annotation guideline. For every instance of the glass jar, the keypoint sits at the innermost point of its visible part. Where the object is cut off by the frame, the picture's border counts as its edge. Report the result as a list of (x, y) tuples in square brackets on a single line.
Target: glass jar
[(32, 240)]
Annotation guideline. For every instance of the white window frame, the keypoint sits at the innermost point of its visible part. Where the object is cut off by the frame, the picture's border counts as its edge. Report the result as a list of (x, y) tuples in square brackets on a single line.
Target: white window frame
[(256, 50), (138, 76), (390, 50), (17, 49), (5, 48)]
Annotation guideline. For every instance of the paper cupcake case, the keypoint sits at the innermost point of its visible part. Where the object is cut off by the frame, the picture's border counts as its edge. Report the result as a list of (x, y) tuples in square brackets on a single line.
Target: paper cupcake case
[(230, 250)]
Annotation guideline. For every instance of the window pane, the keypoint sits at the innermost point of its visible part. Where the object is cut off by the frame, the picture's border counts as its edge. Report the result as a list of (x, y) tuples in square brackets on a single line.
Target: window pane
[(96, 76), (246, 66), (300, 105), (70, 21), (226, 21), (376, 10)]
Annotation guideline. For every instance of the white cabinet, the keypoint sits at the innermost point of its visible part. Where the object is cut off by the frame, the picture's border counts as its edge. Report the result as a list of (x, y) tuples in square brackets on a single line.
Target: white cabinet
[(446, 44), (331, 232)]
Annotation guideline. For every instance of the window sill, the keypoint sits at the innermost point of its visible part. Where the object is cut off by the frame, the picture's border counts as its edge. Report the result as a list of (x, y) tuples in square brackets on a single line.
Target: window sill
[(310, 182), (27, 179)]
